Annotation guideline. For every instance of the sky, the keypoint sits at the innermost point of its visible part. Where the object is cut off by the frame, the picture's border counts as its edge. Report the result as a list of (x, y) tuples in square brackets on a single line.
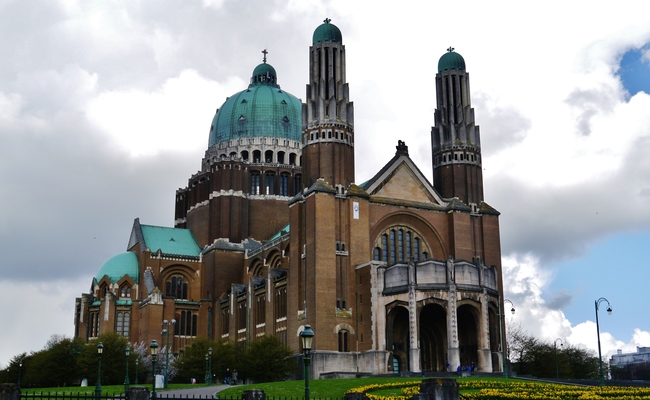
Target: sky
[(105, 110)]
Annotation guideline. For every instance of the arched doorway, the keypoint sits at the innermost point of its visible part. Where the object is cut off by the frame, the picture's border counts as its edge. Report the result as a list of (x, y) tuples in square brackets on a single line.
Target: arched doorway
[(397, 338), (433, 338), (468, 334)]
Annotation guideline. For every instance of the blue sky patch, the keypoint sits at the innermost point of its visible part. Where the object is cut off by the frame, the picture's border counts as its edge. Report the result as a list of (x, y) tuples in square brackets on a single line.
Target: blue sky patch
[(635, 71)]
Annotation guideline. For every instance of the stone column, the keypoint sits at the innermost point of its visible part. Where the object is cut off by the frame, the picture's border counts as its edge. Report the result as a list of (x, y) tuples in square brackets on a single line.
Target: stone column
[(484, 355), (414, 343), (453, 351)]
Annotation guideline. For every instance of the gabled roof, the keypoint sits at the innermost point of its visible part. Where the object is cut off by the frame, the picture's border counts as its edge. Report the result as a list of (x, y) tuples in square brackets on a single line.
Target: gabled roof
[(401, 179), (171, 241)]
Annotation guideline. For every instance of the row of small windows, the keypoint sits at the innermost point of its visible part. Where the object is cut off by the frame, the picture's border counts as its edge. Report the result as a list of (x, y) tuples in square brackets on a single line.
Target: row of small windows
[(241, 314), (457, 157), (176, 287), (347, 137), (268, 186), (399, 245), (186, 323), (269, 157)]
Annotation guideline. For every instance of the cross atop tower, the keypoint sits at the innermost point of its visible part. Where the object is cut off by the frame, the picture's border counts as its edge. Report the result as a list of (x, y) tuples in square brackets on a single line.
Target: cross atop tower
[(327, 20), (265, 53), (450, 49)]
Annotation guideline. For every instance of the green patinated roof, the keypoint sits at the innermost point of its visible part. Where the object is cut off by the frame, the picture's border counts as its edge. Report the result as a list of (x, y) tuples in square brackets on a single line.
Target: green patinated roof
[(282, 231), (327, 33), (451, 60), (261, 110), (170, 240), (119, 265)]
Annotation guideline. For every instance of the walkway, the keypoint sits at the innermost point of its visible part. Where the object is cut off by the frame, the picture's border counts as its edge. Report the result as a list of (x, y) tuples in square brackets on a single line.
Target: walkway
[(203, 391)]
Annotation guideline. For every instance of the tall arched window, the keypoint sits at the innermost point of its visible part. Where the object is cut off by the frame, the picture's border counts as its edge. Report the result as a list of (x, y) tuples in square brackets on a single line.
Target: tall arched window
[(186, 324), (416, 249), (255, 183), (122, 323), (284, 184), (400, 245), (384, 247), (392, 246), (408, 245), (269, 183), (377, 254), (343, 341)]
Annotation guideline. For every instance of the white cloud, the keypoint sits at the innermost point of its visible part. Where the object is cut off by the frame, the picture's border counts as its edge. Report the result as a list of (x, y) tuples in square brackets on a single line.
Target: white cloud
[(176, 116)]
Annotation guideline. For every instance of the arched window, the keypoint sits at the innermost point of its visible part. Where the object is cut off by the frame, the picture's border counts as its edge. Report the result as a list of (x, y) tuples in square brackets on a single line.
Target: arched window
[(377, 254), (281, 157), (244, 155), (392, 246), (255, 183), (343, 341), (186, 323), (94, 324), (125, 291), (416, 249), (268, 156), (122, 323), (400, 245), (408, 245), (257, 156), (176, 287), (284, 184), (384, 247), (269, 183), (297, 184)]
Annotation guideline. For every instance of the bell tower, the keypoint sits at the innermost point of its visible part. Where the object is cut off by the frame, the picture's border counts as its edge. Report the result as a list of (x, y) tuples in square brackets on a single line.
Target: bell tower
[(455, 139), (327, 115)]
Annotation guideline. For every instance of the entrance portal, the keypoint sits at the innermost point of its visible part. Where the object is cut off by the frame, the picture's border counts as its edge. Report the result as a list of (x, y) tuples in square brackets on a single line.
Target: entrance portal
[(433, 338)]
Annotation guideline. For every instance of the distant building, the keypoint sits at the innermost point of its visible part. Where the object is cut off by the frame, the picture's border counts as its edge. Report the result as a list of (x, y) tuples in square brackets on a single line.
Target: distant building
[(620, 360), (273, 233)]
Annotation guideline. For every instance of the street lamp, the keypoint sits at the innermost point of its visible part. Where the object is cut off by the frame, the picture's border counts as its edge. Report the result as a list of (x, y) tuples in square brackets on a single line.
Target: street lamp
[(209, 380), (600, 357), (126, 377), (165, 331), (98, 384), (502, 322), (20, 369), (557, 370), (137, 362), (307, 336), (154, 355)]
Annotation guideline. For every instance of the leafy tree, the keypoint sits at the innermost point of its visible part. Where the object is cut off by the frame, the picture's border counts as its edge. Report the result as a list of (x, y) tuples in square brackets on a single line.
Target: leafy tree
[(268, 359), (113, 359), (56, 364)]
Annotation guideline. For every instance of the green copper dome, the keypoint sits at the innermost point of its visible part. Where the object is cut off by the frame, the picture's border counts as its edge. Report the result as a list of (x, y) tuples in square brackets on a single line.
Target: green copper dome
[(118, 266), (451, 60), (261, 110), (327, 33)]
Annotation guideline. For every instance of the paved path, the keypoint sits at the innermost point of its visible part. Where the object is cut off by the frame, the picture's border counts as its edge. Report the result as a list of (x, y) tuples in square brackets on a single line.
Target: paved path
[(203, 391)]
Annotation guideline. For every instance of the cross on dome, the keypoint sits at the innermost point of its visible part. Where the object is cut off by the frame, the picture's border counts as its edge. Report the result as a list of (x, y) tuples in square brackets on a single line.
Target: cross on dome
[(327, 20), (265, 53), (450, 49)]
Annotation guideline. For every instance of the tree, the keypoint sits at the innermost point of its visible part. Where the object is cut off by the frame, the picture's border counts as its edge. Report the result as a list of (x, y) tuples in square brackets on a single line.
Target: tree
[(268, 359), (535, 357), (113, 359)]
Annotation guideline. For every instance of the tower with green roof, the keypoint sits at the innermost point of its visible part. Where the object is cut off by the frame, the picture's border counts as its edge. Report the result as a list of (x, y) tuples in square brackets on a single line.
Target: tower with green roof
[(328, 113), (455, 138)]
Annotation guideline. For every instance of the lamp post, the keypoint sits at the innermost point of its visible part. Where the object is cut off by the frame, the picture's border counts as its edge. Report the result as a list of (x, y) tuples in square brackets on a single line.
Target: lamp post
[(137, 362), (601, 378), (307, 336), (502, 322), (557, 369), (209, 377), (20, 370), (126, 376), (98, 383), (154, 355), (165, 332)]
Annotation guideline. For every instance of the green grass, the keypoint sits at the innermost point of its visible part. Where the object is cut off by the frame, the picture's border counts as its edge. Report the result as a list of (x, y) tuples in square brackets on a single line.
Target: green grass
[(320, 388), (106, 390)]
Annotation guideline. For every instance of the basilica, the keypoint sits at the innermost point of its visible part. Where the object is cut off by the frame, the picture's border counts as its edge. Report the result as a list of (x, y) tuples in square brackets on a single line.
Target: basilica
[(401, 273)]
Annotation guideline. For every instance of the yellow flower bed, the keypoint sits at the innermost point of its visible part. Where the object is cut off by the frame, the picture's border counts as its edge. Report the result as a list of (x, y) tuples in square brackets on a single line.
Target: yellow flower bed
[(498, 390)]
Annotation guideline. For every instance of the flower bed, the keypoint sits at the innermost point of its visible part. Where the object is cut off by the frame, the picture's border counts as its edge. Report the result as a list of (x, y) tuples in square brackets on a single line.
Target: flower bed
[(500, 390)]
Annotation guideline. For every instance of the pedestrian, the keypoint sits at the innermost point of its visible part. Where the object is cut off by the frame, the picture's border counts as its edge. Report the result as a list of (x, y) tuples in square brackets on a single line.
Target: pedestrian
[(234, 376), (227, 380), (447, 366)]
